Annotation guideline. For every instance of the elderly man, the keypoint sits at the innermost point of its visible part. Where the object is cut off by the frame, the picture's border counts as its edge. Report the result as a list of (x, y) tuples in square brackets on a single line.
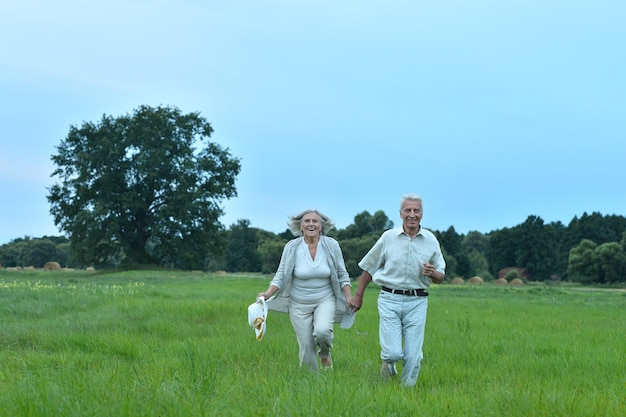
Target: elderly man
[(404, 261)]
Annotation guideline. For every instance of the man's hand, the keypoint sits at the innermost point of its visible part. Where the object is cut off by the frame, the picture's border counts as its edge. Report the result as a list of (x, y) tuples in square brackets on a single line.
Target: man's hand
[(430, 272)]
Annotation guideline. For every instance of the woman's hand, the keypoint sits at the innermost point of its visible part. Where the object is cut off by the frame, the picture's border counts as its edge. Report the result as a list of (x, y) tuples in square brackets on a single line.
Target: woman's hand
[(355, 302), (268, 293)]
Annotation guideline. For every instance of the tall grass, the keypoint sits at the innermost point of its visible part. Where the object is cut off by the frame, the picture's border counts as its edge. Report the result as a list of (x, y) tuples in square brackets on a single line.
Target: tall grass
[(178, 344)]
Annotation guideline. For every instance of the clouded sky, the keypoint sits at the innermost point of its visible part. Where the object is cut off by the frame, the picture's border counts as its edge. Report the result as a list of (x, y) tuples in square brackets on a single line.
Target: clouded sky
[(491, 110)]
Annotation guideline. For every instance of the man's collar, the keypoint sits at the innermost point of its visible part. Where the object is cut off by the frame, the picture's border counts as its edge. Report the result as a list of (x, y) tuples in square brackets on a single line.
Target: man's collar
[(401, 231)]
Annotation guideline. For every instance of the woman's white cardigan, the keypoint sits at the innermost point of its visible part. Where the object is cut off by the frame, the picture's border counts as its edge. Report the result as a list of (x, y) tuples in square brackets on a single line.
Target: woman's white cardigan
[(338, 276)]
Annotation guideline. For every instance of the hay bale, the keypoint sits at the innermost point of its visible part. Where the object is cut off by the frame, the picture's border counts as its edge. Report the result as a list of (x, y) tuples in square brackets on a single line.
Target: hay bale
[(475, 281), (502, 281), (457, 281), (52, 266), (517, 282), (90, 269)]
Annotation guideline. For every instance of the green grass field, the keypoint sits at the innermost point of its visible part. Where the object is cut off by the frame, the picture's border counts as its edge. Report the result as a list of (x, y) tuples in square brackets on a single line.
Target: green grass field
[(178, 344)]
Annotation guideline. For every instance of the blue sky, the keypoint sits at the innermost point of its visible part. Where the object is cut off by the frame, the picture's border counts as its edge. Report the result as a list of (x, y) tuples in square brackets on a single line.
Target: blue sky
[(491, 110)]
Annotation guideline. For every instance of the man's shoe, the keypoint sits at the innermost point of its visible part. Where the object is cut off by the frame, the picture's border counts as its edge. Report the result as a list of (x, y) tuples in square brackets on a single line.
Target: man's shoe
[(388, 370)]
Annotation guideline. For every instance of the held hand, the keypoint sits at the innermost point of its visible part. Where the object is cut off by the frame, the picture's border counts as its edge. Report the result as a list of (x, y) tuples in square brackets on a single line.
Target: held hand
[(428, 269), (355, 302)]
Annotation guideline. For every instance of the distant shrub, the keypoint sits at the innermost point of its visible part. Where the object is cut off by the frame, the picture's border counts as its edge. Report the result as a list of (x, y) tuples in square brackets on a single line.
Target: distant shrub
[(475, 281), (485, 275), (512, 274)]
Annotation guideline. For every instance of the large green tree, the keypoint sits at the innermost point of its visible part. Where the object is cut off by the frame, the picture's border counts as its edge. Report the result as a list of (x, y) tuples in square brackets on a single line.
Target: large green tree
[(610, 260), (596, 227), (143, 188), (532, 245), (582, 264), (365, 224), (270, 251), (242, 254), (536, 248), (451, 241)]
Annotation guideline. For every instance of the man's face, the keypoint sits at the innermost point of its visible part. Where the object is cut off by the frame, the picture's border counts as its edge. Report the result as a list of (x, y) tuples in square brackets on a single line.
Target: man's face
[(411, 214)]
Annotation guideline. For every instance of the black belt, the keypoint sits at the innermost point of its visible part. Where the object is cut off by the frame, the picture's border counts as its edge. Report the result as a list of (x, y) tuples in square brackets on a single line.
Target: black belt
[(418, 292)]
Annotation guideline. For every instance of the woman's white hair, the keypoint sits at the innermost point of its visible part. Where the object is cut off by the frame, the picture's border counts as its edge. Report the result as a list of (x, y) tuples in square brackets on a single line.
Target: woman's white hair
[(296, 221)]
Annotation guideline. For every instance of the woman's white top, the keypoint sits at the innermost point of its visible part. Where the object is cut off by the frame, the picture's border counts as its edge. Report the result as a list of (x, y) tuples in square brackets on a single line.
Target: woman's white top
[(311, 281)]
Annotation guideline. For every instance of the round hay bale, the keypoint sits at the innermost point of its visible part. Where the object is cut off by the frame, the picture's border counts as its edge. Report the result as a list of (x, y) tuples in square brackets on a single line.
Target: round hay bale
[(90, 269), (457, 281), (502, 281), (475, 281), (52, 266), (517, 282)]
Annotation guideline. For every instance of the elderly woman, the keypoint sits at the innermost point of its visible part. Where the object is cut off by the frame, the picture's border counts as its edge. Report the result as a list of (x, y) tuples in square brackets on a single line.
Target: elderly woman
[(312, 285)]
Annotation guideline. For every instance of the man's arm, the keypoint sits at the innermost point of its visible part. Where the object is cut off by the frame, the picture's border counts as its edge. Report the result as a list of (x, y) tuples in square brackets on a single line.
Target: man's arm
[(437, 277)]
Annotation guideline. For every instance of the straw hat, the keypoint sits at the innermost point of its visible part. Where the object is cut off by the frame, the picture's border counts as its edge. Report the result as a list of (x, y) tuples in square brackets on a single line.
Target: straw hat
[(257, 316)]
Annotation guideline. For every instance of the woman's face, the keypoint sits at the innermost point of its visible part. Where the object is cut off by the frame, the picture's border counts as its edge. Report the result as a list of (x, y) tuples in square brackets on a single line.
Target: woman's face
[(311, 225)]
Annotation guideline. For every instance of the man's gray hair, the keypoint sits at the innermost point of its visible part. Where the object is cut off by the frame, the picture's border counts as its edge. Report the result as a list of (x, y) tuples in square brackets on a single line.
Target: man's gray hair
[(296, 221), (410, 197)]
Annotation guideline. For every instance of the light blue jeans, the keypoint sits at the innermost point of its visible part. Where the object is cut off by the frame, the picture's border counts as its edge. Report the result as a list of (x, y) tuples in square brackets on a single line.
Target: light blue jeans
[(313, 324), (402, 319)]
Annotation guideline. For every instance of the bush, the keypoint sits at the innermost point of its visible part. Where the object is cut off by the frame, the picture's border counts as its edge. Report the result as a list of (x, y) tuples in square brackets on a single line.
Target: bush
[(512, 274)]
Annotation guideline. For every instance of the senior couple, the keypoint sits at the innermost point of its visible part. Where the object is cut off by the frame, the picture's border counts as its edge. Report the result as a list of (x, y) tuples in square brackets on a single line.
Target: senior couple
[(313, 286)]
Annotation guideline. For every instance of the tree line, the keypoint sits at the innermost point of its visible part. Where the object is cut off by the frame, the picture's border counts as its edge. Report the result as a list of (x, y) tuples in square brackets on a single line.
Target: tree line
[(590, 249), (145, 190)]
